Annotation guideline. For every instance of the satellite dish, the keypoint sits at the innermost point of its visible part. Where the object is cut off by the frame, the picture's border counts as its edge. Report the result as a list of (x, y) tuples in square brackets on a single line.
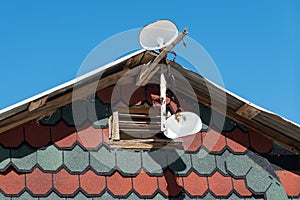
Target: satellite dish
[(182, 124), (158, 35)]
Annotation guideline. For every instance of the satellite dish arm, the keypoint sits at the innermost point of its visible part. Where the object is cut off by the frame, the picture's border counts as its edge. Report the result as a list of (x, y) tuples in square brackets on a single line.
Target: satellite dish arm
[(148, 71)]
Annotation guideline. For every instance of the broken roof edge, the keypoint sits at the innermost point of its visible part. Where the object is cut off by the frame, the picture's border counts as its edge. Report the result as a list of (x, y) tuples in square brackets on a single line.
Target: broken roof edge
[(65, 85)]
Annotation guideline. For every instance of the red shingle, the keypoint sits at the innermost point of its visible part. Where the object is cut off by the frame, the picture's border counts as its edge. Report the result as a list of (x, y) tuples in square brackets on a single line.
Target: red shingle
[(192, 143), (65, 183), (260, 143), (220, 185), (195, 185), (37, 135), (38, 182), (290, 182), (105, 135), (169, 184), (145, 185), (12, 138), (133, 95), (240, 187), (213, 141), (90, 137), (237, 140), (92, 183), (63, 135), (118, 185), (12, 182), (105, 95)]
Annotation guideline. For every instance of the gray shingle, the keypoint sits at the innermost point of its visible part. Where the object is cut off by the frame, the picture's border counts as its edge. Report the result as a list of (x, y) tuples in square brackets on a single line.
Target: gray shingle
[(79, 196), (97, 110), (24, 196), (103, 161), (159, 197), (105, 196), (52, 196), (221, 161), (2, 197), (276, 191), (24, 158), (203, 162), (208, 196), (76, 160), (258, 179), (154, 162), (4, 157), (128, 161), (52, 119), (179, 161), (50, 158), (238, 165)]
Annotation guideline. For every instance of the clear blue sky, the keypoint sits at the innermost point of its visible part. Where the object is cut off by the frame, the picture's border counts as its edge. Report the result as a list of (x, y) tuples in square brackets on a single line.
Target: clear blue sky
[(255, 44)]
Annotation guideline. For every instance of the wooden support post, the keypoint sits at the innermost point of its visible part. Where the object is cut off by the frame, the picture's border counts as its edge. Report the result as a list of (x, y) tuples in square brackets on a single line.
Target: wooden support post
[(115, 126), (163, 97), (148, 71)]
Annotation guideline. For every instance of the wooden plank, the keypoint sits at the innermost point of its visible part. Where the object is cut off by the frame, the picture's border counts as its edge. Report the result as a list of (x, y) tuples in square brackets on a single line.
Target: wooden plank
[(37, 103), (163, 97), (115, 126), (247, 111), (147, 144), (110, 126), (148, 71)]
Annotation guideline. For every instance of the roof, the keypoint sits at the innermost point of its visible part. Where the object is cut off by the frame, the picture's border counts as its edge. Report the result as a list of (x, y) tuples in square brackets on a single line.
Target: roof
[(44, 156), (242, 111)]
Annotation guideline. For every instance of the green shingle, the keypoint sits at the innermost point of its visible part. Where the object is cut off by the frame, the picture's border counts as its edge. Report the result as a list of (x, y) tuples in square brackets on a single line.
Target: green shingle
[(102, 123), (203, 162), (76, 160), (4, 158), (2, 197), (24, 158), (97, 110), (258, 179), (52, 119), (103, 161), (51, 196), (150, 165), (128, 161), (105, 196), (221, 160), (50, 158), (79, 196), (24, 196), (238, 165), (276, 191), (179, 161)]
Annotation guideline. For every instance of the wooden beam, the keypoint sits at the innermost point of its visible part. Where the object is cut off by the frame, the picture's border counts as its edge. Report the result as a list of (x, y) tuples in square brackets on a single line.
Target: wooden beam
[(148, 144), (148, 71), (163, 97), (115, 126)]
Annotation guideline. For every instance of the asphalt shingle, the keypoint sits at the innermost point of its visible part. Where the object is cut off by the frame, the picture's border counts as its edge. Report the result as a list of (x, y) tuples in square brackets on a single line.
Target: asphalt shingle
[(24, 196), (4, 158), (128, 161), (103, 161), (52, 196), (203, 162), (238, 165), (76, 160), (179, 162), (50, 158), (52, 119), (150, 165), (258, 180), (276, 191), (24, 158)]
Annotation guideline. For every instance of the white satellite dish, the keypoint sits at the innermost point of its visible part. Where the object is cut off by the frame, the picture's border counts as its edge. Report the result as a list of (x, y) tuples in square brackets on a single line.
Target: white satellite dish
[(158, 35), (182, 124)]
